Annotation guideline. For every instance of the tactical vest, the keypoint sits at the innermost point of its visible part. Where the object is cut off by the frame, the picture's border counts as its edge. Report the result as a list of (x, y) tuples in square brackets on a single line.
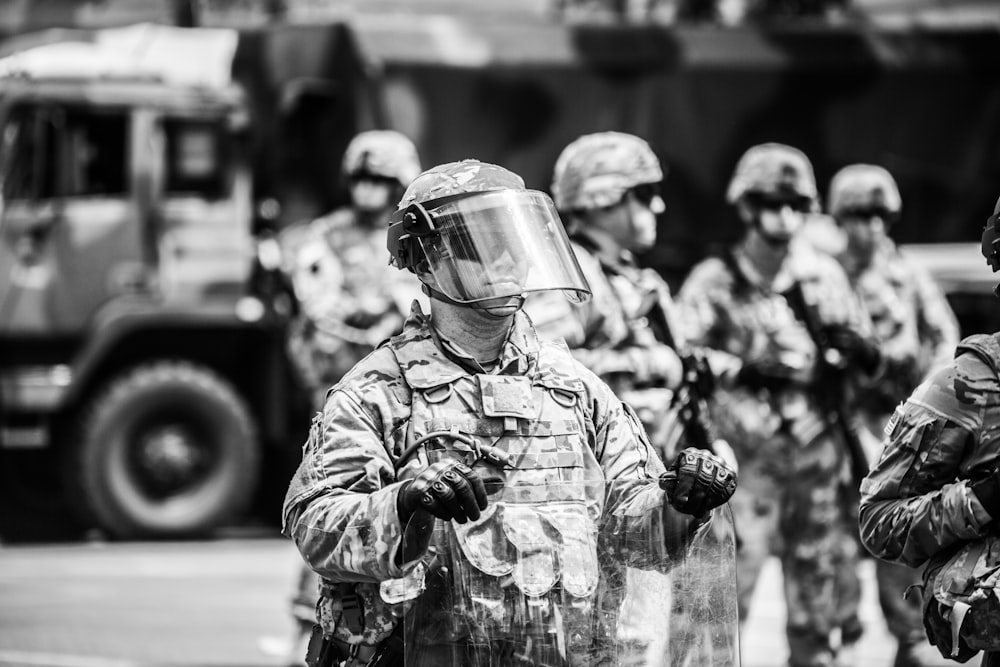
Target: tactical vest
[(961, 592), (543, 531), (542, 538)]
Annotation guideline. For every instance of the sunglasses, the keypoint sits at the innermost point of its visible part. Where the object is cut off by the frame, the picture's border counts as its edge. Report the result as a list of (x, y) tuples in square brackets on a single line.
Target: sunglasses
[(775, 204), (867, 213), (645, 193)]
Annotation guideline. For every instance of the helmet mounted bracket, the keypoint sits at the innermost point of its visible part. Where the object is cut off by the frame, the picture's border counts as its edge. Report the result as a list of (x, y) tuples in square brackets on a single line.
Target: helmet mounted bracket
[(406, 227)]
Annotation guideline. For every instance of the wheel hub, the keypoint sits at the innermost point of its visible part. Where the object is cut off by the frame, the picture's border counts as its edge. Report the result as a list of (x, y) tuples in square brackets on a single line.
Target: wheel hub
[(169, 457)]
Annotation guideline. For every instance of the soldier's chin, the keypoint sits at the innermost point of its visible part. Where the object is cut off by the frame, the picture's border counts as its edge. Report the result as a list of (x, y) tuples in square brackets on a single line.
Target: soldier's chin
[(502, 307)]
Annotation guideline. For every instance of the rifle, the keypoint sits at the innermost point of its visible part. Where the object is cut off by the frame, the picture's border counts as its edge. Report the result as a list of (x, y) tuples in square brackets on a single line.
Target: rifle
[(833, 386), (691, 397)]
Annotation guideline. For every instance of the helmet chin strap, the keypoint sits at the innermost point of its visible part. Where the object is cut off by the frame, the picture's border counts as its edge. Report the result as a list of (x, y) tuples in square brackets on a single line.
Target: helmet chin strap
[(479, 306)]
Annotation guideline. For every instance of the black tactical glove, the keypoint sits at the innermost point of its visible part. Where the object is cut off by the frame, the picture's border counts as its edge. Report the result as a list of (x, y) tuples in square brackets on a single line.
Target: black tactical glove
[(765, 374), (859, 350), (698, 481), (987, 490), (447, 489)]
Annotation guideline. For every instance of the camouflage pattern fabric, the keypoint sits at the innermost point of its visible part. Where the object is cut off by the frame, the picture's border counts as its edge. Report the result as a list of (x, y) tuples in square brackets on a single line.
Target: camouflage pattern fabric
[(612, 335), (792, 466), (859, 186), (915, 502), (773, 168), (917, 332), (459, 178), (916, 328), (340, 508), (385, 153), (350, 299), (596, 170)]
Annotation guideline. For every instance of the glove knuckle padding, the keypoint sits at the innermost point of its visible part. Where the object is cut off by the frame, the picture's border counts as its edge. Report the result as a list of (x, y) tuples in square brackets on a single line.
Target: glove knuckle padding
[(704, 481)]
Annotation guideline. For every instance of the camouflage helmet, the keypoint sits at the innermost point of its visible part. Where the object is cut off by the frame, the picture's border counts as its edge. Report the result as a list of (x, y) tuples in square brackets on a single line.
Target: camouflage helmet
[(483, 236), (773, 169), (385, 153), (458, 178), (596, 170), (863, 186)]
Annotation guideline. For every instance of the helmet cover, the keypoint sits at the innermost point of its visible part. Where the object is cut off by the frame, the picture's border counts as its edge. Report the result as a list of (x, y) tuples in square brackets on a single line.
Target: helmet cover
[(774, 170), (859, 187), (596, 170), (384, 154)]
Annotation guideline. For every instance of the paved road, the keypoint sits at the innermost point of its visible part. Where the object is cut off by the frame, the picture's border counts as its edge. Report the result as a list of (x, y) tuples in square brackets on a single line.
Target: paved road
[(224, 603)]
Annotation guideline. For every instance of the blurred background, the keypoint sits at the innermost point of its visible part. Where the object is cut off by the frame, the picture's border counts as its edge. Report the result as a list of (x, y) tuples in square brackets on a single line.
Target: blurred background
[(151, 149)]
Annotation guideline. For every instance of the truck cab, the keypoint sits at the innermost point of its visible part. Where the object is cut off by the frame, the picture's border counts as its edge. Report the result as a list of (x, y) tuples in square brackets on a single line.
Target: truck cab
[(142, 341)]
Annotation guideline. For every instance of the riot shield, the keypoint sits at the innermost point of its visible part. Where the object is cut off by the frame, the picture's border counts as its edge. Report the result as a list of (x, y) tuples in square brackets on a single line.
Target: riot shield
[(569, 574)]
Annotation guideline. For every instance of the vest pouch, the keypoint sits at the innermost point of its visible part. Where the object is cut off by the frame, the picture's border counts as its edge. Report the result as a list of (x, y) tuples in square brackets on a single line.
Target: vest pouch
[(536, 568), (577, 547), (395, 591), (961, 600), (484, 544)]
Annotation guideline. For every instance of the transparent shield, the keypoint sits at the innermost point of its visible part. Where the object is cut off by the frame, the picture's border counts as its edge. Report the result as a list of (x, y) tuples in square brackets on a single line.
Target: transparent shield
[(574, 573), (502, 244)]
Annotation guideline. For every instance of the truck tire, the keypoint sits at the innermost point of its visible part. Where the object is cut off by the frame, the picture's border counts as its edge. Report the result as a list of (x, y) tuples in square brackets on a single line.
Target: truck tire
[(166, 450)]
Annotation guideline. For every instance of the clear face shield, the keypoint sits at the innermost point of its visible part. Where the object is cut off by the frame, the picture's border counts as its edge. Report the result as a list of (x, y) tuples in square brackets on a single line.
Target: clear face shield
[(489, 246)]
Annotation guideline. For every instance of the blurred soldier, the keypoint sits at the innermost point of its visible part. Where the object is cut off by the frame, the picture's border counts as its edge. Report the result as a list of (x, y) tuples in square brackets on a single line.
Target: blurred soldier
[(349, 297), (917, 333), (468, 417), (787, 316), (935, 486), (606, 187)]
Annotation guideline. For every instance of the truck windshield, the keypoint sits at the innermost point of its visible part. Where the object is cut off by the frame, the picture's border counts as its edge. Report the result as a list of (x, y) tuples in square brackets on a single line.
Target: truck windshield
[(64, 151)]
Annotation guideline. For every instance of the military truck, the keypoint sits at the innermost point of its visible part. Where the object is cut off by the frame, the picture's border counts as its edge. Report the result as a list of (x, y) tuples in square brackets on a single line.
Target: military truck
[(143, 380), (141, 373)]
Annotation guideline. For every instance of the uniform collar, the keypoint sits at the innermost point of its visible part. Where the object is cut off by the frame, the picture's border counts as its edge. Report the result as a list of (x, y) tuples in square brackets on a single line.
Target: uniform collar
[(428, 360)]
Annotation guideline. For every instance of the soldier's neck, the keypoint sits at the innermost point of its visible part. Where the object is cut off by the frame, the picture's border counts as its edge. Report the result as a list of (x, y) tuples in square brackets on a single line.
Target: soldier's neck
[(474, 332)]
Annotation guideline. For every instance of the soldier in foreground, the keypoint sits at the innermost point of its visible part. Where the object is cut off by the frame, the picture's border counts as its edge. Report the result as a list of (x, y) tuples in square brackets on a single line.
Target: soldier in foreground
[(778, 307), (917, 332), (936, 488), (349, 299), (465, 472)]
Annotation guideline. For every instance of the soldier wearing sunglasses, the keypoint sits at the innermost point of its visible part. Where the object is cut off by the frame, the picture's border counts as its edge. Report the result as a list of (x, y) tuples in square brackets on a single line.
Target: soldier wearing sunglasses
[(786, 314), (917, 333), (606, 186)]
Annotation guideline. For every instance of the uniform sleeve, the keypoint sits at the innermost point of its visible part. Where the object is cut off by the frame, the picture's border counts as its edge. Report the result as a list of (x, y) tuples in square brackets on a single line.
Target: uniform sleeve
[(637, 509), (340, 509), (916, 500)]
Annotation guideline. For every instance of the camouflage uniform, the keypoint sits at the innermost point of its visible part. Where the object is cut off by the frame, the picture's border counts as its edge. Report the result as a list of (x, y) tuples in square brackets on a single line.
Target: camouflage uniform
[(631, 314), (349, 297), (917, 500), (792, 463), (917, 332), (611, 333), (341, 506)]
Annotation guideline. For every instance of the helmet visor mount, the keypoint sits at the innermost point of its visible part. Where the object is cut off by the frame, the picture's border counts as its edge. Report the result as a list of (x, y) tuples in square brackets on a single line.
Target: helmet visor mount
[(489, 246)]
